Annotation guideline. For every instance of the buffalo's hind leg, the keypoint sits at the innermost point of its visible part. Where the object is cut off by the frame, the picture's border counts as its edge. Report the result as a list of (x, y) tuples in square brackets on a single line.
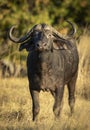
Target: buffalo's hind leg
[(35, 103), (71, 90)]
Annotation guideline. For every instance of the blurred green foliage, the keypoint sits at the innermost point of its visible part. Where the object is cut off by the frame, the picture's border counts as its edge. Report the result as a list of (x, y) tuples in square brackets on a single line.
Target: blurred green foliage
[(26, 13)]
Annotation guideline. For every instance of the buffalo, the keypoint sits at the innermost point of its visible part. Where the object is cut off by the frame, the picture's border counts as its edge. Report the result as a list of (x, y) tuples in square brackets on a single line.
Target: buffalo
[(52, 63)]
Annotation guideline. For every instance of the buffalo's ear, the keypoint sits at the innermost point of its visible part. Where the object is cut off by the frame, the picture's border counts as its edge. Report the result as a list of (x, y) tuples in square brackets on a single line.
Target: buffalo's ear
[(21, 47), (26, 46), (59, 45)]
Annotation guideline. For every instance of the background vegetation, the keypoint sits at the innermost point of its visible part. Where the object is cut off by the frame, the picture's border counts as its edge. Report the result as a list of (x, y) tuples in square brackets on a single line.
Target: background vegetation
[(26, 13), (15, 100)]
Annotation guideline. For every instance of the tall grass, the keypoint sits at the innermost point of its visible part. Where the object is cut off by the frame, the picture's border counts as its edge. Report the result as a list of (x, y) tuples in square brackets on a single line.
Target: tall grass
[(83, 82)]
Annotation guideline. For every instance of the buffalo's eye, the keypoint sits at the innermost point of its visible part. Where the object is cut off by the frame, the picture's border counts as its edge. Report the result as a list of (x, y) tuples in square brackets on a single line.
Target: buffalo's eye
[(36, 33), (49, 35)]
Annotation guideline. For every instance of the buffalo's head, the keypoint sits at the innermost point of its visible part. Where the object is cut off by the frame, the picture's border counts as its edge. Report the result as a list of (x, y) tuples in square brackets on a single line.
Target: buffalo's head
[(41, 37)]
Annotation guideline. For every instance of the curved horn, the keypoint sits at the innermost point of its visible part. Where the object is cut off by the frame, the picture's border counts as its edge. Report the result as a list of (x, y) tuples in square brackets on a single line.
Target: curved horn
[(73, 28), (59, 35), (21, 39), (56, 33)]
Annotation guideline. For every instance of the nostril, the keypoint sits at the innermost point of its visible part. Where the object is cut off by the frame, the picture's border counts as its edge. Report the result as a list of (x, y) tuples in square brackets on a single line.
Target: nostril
[(37, 45)]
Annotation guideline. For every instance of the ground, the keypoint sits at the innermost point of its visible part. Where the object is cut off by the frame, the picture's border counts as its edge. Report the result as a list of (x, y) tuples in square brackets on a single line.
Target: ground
[(16, 109)]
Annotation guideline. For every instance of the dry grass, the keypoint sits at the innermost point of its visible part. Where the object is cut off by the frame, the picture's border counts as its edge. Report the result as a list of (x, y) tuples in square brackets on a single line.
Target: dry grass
[(16, 105), (83, 82)]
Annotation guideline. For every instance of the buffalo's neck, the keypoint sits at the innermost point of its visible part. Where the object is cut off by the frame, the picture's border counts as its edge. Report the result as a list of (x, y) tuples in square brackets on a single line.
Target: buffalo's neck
[(45, 57), (51, 60)]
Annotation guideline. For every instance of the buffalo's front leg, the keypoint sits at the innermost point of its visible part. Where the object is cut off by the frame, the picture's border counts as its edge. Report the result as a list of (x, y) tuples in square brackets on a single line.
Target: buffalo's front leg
[(58, 101), (35, 103)]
